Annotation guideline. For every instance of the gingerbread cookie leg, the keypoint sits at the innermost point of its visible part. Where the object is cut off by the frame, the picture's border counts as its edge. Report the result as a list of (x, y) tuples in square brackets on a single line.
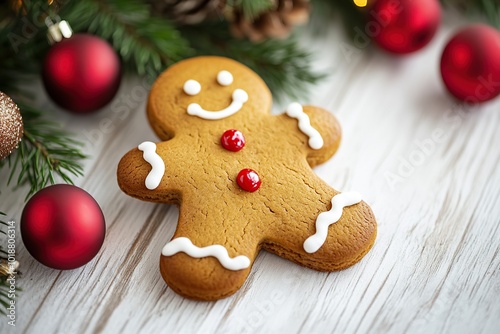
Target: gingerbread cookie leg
[(201, 262)]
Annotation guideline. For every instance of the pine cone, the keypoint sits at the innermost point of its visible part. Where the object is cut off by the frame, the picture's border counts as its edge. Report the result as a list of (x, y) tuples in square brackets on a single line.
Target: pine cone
[(188, 11), (275, 23)]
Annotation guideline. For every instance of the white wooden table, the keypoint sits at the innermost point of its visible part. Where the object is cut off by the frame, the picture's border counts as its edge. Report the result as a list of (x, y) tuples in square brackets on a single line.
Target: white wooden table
[(430, 172)]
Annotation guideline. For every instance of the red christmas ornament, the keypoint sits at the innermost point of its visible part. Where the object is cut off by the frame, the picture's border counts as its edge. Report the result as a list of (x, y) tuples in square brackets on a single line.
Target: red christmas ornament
[(470, 65), (62, 227), (81, 73), (404, 26), (233, 140), (248, 180)]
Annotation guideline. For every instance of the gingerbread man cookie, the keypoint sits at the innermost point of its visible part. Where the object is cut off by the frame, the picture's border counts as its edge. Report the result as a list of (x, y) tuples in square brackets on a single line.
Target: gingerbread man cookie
[(242, 179)]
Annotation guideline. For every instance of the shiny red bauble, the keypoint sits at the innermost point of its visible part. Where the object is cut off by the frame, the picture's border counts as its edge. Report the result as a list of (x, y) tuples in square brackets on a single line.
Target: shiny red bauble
[(62, 227), (81, 73), (470, 65), (248, 180), (232, 140), (404, 26)]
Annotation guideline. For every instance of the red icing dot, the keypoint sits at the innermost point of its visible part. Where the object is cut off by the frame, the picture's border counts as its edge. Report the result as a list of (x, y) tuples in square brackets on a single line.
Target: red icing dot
[(248, 180), (232, 140)]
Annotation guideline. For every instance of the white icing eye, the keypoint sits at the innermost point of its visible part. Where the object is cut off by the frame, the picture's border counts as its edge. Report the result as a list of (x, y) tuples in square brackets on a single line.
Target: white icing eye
[(224, 78), (192, 87)]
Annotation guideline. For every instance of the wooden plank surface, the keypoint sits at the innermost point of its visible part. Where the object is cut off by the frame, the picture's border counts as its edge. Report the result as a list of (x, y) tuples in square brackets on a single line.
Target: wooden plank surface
[(429, 169)]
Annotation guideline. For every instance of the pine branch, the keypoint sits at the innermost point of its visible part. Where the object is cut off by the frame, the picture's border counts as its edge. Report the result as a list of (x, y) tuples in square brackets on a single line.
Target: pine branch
[(284, 66), (251, 8), (45, 152), (144, 42)]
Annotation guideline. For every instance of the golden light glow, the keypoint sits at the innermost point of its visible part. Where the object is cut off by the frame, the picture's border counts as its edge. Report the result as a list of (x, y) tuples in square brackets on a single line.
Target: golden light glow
[(360, 3)]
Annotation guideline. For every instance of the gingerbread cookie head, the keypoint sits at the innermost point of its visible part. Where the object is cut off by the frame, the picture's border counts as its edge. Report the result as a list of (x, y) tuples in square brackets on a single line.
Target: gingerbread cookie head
[(192, 92), (242, 179)]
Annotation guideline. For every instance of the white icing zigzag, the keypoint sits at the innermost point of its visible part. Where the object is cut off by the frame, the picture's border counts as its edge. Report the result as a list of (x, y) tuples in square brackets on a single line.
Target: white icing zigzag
[(158, 166), (325, 219), (185, 245), (296, 111)]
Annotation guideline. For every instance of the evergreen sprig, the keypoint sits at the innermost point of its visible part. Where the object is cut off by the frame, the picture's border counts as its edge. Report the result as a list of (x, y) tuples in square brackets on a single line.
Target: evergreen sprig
[(283, 64), (46, 151), (143, 41)]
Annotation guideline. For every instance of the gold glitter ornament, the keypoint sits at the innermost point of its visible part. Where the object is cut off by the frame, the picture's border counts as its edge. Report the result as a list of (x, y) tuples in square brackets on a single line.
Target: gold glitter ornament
[(11, 126)]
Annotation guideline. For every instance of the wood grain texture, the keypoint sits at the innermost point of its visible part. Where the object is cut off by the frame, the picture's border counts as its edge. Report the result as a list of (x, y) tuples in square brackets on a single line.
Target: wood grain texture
[(429, 171)]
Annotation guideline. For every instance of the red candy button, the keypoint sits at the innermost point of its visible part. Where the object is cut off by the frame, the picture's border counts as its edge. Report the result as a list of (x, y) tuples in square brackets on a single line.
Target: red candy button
[(232, 140), (248, 180)]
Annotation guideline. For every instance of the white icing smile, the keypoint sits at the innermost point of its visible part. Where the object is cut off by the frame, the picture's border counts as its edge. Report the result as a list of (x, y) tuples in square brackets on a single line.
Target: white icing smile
[(239, 98), (224, 78)]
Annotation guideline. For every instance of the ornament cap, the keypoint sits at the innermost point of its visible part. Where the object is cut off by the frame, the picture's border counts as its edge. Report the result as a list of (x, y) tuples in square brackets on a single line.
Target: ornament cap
[(58, 30)]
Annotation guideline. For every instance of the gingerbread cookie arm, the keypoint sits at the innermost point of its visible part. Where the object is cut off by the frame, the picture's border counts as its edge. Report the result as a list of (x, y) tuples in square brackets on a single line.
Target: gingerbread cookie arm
[(319, 129), (142, 173)]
